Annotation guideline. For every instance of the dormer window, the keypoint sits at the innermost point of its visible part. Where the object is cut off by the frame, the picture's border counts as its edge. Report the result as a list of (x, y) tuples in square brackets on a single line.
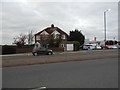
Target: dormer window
[(38, 37), (55, 32), (44, 33)]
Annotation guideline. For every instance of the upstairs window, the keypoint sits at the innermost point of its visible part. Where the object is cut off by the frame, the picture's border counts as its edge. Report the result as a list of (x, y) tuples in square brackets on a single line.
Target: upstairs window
[(38, 37), (63, 37)]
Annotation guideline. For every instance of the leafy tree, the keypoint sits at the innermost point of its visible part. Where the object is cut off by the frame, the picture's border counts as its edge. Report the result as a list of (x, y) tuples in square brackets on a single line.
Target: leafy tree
[(111, 42), (57, 40), (52, 41), (77, 36)]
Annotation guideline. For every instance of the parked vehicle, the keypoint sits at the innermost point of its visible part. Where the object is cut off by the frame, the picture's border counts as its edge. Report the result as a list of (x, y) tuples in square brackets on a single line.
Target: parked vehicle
[(114, 47), (88, 47), (42, 50), (108, 47), (98, 47), (91, 47)]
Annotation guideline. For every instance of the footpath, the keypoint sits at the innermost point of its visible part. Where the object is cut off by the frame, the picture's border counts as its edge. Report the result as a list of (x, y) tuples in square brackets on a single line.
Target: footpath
[(58, 57)]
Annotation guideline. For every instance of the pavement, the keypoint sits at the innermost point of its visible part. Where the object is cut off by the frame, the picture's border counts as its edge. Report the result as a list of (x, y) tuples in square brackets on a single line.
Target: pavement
[(28, 54), (28, 59), (18, 54)]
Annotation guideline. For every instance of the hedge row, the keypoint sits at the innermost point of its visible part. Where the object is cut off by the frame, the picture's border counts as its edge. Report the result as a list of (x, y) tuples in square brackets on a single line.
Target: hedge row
[(9, 49)]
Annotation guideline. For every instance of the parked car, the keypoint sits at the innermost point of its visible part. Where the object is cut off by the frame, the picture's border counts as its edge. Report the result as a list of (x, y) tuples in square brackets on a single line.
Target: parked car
[(88, 47), (98, 47), (42, 50), (108, 47), (114, 46)]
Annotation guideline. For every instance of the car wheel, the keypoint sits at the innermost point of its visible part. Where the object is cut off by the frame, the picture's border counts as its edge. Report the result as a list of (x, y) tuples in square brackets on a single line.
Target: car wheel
[(49, 53), (35, 54)]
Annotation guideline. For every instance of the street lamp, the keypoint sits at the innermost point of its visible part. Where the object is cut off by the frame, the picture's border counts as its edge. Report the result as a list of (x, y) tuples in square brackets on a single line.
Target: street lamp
[(105, 23)]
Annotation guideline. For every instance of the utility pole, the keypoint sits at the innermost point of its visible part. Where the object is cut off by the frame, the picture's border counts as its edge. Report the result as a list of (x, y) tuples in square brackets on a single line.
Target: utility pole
[(105, 24)]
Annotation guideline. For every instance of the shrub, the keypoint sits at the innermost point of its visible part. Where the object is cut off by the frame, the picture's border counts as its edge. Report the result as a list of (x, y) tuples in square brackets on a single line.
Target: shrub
[(8, 49), (76, 45)]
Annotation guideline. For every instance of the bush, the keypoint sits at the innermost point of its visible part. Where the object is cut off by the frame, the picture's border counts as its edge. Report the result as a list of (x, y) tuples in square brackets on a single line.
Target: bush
[(8, 49), (27, 46), (76, 46)]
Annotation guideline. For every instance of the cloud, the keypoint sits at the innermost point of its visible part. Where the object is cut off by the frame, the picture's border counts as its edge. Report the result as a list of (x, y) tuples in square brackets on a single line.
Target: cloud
[(23, 16)]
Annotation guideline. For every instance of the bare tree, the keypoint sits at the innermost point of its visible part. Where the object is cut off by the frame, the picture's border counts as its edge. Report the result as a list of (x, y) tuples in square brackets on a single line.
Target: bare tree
[(30, 37), (20, 40)]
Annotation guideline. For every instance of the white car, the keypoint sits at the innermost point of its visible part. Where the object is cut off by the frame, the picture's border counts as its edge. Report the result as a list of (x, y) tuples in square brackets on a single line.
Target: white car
[(114, 46), (88, 47), (98, 47)]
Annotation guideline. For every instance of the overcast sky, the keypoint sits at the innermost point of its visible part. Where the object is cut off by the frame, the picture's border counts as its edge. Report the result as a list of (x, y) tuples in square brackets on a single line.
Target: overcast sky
[(23, 16)]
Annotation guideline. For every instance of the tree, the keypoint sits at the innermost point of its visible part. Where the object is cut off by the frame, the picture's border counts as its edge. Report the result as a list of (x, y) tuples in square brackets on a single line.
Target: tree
[(52, 41), (77, 36), (30, 38), (20, 40), (57, 40), (111, 42), (76, 45)]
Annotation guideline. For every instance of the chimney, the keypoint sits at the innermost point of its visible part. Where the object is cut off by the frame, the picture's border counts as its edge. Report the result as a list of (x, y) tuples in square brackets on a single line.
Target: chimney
[(52, 26)]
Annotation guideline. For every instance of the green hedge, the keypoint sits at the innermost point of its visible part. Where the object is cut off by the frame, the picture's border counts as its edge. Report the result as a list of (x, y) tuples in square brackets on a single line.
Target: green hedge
[(76, 46), (6, 49), (10, 49)]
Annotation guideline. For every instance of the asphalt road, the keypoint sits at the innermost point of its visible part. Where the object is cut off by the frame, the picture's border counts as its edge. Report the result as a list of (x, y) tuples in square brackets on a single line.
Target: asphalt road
[(102, 73)]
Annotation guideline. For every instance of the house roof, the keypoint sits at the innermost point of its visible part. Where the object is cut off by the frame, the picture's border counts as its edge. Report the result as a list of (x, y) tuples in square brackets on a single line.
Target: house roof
[(52, 29)]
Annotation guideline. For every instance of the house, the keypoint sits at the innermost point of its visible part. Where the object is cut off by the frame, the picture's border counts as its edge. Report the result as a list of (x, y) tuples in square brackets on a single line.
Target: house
[(49, 32)]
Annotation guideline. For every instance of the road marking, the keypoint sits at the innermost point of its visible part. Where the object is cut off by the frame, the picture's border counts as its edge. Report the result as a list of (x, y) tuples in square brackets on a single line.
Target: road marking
[(40, 88)]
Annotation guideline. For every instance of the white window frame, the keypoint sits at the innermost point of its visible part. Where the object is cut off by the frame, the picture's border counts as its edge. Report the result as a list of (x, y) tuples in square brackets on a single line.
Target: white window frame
[(38, 37), (44, 33), (63, 36)]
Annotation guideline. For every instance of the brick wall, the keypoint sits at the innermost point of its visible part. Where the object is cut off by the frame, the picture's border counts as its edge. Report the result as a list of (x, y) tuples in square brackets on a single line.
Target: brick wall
[(24, 50), (57, 49), (27, 50)]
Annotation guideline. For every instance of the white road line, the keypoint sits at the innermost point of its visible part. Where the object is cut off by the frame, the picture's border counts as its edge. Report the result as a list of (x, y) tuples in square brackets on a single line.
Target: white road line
[(40, 88)]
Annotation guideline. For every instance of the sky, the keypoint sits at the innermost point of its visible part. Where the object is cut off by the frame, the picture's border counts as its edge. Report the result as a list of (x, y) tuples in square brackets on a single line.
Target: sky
[(22, 16)]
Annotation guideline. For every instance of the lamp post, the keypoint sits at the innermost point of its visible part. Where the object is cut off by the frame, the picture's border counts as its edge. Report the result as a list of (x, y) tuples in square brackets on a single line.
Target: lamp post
[(105, 23)]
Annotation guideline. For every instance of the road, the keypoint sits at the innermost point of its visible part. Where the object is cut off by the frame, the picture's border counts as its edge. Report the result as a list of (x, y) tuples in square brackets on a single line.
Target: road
[(99, 73)]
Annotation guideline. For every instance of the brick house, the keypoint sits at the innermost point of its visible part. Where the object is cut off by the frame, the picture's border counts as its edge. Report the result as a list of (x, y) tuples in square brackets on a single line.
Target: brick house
[(50, 31)]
